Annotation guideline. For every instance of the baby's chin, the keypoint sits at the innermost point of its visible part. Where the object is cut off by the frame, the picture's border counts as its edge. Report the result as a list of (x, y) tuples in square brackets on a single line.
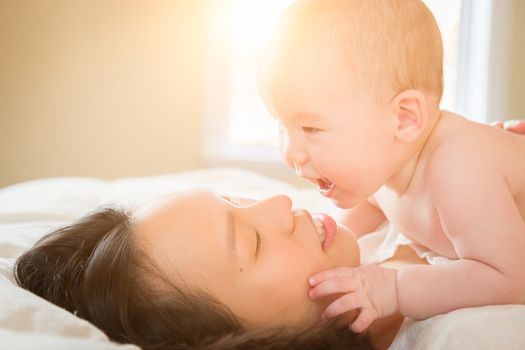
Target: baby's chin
[(345, 201)]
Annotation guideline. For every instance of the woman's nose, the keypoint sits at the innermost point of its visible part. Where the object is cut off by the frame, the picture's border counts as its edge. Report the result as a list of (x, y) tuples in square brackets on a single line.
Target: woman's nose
[(279, 202), (276, 213)]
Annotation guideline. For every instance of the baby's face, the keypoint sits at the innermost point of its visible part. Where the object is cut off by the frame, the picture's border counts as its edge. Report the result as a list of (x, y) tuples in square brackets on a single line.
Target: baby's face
[(333, 131), (253, 256)]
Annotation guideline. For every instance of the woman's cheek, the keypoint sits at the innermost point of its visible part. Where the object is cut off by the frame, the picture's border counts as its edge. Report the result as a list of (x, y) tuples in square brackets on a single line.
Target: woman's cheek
[(290, 269)]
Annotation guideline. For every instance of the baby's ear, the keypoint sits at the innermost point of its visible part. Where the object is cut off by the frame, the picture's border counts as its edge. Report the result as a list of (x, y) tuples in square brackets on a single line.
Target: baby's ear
[(410, 107)]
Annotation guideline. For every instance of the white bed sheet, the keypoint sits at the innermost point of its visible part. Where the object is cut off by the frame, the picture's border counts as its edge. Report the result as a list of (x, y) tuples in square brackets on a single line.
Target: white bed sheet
[(31, 209)]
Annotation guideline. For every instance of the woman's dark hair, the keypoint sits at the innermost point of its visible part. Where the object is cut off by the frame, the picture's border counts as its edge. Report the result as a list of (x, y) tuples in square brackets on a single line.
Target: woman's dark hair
[(94, 269)]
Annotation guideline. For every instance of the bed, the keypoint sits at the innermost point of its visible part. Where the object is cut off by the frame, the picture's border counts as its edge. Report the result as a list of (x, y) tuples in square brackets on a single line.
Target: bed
[(29, 210)]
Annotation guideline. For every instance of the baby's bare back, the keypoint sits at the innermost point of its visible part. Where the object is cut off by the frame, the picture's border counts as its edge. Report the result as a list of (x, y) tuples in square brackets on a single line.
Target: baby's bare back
[(465, 201), (456, 145)]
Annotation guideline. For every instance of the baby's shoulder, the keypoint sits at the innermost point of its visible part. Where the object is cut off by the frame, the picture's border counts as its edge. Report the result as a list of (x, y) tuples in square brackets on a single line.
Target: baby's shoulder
[(462, 152), (460, 144)]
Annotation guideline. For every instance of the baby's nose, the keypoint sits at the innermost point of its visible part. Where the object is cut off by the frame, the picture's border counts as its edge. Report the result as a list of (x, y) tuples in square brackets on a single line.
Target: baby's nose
[(293, 155), (295, 158), (297, 169)]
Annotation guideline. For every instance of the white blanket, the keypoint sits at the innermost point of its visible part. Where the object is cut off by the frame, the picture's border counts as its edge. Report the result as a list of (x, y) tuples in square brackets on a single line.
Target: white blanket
[(31, 209)]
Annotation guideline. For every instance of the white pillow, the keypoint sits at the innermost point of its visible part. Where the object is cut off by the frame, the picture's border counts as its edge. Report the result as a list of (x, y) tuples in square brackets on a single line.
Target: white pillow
[(480, 328), (31, 209)]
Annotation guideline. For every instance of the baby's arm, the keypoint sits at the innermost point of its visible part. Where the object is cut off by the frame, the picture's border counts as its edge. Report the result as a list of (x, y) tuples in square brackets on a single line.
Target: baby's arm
[(363, 218), (479, 215)]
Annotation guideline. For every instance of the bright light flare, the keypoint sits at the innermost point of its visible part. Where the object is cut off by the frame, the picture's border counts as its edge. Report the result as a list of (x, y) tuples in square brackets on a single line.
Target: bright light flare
[(252, 22)]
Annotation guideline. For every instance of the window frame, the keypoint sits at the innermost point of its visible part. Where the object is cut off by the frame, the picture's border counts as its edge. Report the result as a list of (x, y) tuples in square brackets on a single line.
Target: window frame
[(483, 65)]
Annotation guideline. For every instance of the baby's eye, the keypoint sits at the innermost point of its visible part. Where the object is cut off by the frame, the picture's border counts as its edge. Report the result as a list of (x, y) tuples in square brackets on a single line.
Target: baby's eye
[(309, 129)]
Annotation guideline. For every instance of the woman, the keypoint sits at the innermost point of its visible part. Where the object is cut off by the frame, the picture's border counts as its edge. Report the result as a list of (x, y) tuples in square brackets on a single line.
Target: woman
[(198, 270)]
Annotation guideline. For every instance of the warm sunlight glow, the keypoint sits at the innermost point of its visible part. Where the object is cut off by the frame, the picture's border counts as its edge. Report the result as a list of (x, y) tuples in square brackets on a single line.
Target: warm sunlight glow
[(251, 23), (253, 20)]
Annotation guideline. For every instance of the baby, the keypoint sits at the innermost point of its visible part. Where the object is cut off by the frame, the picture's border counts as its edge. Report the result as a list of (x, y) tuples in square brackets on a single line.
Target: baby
[(355, 86)]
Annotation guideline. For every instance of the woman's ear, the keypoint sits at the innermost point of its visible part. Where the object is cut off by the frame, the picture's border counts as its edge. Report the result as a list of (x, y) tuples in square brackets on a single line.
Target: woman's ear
[(410, 108)]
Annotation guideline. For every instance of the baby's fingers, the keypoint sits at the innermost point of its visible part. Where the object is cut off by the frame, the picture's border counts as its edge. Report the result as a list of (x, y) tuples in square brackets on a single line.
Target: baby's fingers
[(321, 276), (363, 321), (343, 304), (335, 285)]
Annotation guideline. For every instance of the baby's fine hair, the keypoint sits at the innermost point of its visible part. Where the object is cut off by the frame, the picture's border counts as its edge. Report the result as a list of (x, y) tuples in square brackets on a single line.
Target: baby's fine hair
[(388, 45), (97, 269)]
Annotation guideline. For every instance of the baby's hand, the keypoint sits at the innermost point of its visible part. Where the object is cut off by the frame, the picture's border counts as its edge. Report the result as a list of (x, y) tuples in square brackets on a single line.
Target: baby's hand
[(370, 289)]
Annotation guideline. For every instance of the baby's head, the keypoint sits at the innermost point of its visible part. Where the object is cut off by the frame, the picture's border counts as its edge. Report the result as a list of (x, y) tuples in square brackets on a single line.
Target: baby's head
[(172, 275), (367, 74), (385, 46)]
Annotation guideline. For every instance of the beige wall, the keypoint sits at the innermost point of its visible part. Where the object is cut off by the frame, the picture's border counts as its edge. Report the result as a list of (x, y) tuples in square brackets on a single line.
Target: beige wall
[(517, 71), (113, 88), (104, 88)]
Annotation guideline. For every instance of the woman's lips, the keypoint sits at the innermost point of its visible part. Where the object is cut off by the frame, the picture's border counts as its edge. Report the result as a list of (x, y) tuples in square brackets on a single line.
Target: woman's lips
[(329, 228)]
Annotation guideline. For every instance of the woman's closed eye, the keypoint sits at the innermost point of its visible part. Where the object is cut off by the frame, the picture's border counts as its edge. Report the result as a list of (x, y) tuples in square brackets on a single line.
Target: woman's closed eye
[(241, 202), (257, 243)]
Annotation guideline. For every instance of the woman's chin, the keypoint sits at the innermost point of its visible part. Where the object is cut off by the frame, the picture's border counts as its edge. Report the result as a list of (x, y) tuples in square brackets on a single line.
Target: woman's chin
[(345, 230), (350, 248)]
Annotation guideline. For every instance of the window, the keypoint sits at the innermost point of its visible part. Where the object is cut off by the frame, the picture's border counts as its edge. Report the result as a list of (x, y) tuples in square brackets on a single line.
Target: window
[(240, 128)]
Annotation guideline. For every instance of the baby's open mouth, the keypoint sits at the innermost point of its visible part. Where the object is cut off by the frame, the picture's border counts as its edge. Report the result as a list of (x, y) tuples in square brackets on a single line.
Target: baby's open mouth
[(325, 186)]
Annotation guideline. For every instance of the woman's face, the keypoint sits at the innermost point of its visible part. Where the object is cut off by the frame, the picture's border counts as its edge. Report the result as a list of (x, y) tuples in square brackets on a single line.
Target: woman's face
[(253, 256)]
